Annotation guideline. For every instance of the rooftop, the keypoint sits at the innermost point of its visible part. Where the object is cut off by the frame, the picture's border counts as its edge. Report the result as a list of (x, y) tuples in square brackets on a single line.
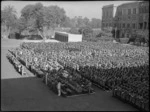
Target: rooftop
[(106, 6), (127, 4)]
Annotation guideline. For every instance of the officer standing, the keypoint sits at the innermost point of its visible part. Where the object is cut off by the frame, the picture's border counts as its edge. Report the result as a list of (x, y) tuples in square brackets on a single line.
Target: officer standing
[(59, 88), (89, 86)]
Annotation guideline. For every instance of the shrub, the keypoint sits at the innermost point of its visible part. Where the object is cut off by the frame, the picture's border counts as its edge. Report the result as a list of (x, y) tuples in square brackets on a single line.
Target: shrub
[(124, 40), (86, 31), (74, 30), (132, 38), (105, 32)]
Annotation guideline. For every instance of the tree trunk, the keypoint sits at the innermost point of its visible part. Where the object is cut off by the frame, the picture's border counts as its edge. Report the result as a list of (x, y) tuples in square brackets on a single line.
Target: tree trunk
[(41, 34)]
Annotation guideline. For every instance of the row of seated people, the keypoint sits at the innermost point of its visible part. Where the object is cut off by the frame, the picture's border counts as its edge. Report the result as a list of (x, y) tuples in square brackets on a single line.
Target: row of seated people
[(69, 82), (128, 95), (17, 65)]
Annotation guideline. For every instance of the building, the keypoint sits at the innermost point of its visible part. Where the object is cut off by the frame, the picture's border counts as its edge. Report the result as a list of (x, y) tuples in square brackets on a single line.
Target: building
[(108, 13), (126, 19), (143, 21), (132, 18), (67, 37)]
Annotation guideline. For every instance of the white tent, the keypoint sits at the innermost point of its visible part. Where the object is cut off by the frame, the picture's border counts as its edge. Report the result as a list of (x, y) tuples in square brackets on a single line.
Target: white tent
[(67, 37)]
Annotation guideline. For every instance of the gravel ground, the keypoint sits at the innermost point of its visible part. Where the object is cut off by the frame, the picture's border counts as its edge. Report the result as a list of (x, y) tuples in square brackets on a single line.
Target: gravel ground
[(29, 93)]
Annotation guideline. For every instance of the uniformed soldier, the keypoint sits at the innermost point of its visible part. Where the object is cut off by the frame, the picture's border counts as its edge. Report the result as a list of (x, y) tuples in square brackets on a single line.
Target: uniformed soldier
[(22, 70), (114, 90), (123, 94), (59, 88), (89, 86), (19, 68)]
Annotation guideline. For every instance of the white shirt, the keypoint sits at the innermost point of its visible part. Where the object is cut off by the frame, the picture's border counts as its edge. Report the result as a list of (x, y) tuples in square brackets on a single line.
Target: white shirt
[(59, 85)]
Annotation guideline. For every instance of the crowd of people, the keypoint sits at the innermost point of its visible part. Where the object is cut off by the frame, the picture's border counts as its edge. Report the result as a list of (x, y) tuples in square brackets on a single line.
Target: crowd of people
[(17, 65), (110, 65), (71, 83)]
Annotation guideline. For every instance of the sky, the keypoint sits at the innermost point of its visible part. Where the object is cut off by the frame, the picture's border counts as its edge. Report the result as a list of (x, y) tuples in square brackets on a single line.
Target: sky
[(89, 9)]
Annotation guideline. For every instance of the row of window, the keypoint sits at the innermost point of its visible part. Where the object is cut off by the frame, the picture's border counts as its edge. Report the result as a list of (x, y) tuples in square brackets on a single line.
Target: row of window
[(144, 9), (127, 11), (107, 14), (129, 17), (107, 25), (144, 25)]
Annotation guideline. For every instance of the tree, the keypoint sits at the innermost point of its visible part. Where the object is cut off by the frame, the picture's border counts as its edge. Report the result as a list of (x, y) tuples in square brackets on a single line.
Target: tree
[(86, 21), (8, 20), (68, 23), (42, 18), (22, 24), (74, 30), (33, 15), (87, 32), (95, 23)]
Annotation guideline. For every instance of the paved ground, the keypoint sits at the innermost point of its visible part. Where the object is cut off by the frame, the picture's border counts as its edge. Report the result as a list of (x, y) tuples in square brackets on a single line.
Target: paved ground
[(30, 93)]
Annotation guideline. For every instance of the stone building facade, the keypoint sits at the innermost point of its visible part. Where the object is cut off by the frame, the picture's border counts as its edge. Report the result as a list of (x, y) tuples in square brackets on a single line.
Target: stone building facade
[(108, 13), (143, 20), (129, 18)]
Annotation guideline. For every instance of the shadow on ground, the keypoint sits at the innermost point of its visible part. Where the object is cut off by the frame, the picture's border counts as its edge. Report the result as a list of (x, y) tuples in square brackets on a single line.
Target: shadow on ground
[(32, 94)]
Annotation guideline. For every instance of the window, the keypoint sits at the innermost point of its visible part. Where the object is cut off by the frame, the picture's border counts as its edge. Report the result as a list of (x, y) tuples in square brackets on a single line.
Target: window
[(145, 25), (147, 9), (124, 11), (129, 17), (103, 25), (123, 25), (106, 24), (133, 25), (110, 14), (129, 11), (134, 17), (127, 35), (104, 14), (140, 25), (134, 11), (140, 10), (128, 25), (109, 24), (119, 25), (107, 14), (120, 12)]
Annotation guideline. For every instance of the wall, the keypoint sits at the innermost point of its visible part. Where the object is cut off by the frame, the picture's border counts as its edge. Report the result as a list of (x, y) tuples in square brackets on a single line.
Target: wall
[(61, 36), (107, 16), (66, 37), (75, 38), (127, 19)]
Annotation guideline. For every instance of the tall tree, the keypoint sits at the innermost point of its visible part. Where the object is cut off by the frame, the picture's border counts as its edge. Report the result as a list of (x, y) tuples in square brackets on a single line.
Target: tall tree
[(86, 21), (42, 18), (8, 20), (95, 23)]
